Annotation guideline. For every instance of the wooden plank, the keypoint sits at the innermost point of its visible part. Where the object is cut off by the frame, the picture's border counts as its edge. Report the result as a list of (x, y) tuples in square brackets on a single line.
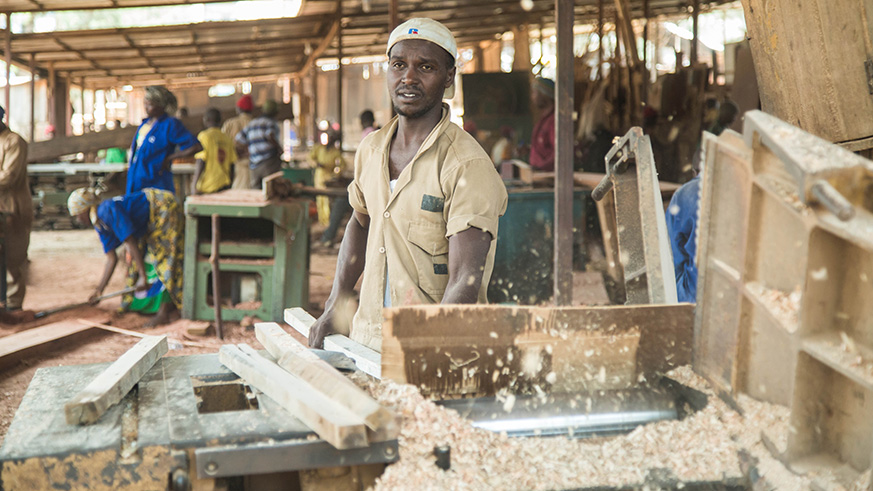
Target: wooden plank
[(40, 339), (331, 421), (115, 382), (298, 360), (368, 360), (478, 350)]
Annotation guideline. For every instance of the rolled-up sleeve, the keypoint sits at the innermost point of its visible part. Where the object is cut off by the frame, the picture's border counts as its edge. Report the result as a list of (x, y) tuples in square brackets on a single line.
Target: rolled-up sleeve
[(12, 165), (179, 135), (356, 194), (475, 197)]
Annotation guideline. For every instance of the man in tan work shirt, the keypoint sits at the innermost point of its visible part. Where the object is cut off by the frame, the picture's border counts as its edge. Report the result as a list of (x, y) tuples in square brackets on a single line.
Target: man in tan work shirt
[(17, 207), (426, 198)]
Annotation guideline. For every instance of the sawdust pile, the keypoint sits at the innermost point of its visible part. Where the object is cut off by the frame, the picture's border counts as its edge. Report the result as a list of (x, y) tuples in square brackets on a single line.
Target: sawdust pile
[(703, 447)]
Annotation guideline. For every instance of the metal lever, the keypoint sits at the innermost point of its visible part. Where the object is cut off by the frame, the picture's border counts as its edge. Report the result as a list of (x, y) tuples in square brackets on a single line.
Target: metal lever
[(619, 167), (831, 199)]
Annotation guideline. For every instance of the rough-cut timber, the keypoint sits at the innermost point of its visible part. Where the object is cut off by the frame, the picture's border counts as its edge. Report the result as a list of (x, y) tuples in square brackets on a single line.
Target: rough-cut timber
[(38, 339), (298, 360), (478, 350), (115, 382), (331, 421), (368, 360), (814, 63)]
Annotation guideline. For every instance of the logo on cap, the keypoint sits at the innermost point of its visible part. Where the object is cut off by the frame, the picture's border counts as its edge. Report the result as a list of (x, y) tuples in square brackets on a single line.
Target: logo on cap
[(413, 31)]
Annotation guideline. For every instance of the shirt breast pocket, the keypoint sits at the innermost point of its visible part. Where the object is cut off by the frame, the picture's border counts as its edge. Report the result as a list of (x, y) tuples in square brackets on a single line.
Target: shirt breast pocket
[(430, 253)]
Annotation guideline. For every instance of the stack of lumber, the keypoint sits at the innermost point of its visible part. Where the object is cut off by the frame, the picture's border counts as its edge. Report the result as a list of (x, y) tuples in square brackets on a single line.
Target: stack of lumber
[(310, 389), (368, 360)]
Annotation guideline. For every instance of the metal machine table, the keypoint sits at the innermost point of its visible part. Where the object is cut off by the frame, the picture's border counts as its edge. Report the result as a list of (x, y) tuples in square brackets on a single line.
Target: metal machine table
[(190, 423)]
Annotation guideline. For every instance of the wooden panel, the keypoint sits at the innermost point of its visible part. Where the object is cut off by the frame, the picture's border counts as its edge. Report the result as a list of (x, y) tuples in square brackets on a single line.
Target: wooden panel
[(477, 350), (809, 59)]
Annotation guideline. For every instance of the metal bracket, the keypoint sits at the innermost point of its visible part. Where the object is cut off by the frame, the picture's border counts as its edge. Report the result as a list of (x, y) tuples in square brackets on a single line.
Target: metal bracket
[(260, 458)]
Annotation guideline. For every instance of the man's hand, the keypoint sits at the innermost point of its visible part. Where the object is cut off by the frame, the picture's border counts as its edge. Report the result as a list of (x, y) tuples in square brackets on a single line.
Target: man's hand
[(322, 328), (141, 284), (93, 299)]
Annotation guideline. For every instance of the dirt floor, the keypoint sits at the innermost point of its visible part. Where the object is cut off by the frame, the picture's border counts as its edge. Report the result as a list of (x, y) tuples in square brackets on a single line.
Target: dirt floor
[(64, 268)]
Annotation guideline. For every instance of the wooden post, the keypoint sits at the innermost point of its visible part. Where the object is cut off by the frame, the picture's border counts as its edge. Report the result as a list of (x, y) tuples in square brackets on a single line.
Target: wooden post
[(645, 32), (8, 53), (563, 269), (50, 96), (32, 96), (599, 39), (393, 20), (314, 103), (82, 101), (216, 280), (694, 17), (339, 72)]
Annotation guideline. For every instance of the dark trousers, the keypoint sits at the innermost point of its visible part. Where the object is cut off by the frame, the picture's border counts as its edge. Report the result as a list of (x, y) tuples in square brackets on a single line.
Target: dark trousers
[(339, 207), (264, 169)]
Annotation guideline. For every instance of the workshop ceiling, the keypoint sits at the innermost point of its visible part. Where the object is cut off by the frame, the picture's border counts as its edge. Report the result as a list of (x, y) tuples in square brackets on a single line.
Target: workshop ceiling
[(213, 51)]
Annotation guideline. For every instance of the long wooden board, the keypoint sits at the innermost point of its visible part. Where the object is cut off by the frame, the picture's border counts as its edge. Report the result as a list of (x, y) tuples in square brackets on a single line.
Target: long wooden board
[(331, 421), (368, 360), (298, 360), (34, 341), (478, 350), (115, 382)]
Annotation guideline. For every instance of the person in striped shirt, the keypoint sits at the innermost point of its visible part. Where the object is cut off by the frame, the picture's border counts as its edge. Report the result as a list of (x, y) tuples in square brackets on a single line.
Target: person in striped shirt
[(260, 141)]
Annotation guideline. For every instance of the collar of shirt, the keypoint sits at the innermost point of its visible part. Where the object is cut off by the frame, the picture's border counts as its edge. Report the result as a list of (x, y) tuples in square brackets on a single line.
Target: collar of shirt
[(406, 175)]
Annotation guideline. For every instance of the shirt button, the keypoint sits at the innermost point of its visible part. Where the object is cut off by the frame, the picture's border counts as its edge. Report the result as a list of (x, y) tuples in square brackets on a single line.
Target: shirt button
[(386, 214), (381, 250)]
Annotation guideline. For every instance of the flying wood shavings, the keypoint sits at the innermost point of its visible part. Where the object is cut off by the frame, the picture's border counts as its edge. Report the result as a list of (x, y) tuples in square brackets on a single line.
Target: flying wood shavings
[(700, 448)]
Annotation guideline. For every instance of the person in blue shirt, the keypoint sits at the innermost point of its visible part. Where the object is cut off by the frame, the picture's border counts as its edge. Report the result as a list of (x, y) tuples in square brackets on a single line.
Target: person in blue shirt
[(682, 226), (147, 221), (154, 146), (682, 216)]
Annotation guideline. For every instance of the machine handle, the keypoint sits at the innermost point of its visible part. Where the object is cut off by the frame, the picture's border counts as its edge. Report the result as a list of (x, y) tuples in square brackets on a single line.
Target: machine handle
[(831, 199), (604, 187)]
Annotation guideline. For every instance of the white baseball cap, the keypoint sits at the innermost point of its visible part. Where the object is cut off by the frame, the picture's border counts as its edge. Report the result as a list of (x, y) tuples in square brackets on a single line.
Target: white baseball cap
[(428, 30)]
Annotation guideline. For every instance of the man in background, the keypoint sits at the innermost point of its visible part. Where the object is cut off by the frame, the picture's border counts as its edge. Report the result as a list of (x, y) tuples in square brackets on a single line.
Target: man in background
[(260, 139), (213, 170), (368, 123), (16, 210), (232, 127), (542, 146)]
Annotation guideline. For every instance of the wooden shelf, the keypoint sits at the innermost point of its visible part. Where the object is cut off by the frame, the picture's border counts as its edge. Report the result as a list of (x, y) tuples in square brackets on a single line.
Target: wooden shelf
[(755, 291), (829, 350)]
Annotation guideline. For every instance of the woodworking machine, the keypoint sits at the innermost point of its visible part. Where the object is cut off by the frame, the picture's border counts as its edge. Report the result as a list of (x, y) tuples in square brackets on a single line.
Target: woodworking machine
[(190, 424)]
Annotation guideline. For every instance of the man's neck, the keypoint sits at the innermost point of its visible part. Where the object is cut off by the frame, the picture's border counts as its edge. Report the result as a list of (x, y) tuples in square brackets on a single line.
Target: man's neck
[(413, 132), (3, 127)]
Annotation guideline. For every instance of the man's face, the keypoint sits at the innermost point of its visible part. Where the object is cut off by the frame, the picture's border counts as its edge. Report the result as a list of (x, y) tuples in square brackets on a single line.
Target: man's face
[(418, 74), (153, 110)]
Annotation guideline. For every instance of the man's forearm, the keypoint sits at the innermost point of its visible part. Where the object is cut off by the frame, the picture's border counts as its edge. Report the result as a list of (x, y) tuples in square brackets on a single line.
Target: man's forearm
[(350, 261), (136, 254), (108, 269), (182, 154), (468, 252)]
